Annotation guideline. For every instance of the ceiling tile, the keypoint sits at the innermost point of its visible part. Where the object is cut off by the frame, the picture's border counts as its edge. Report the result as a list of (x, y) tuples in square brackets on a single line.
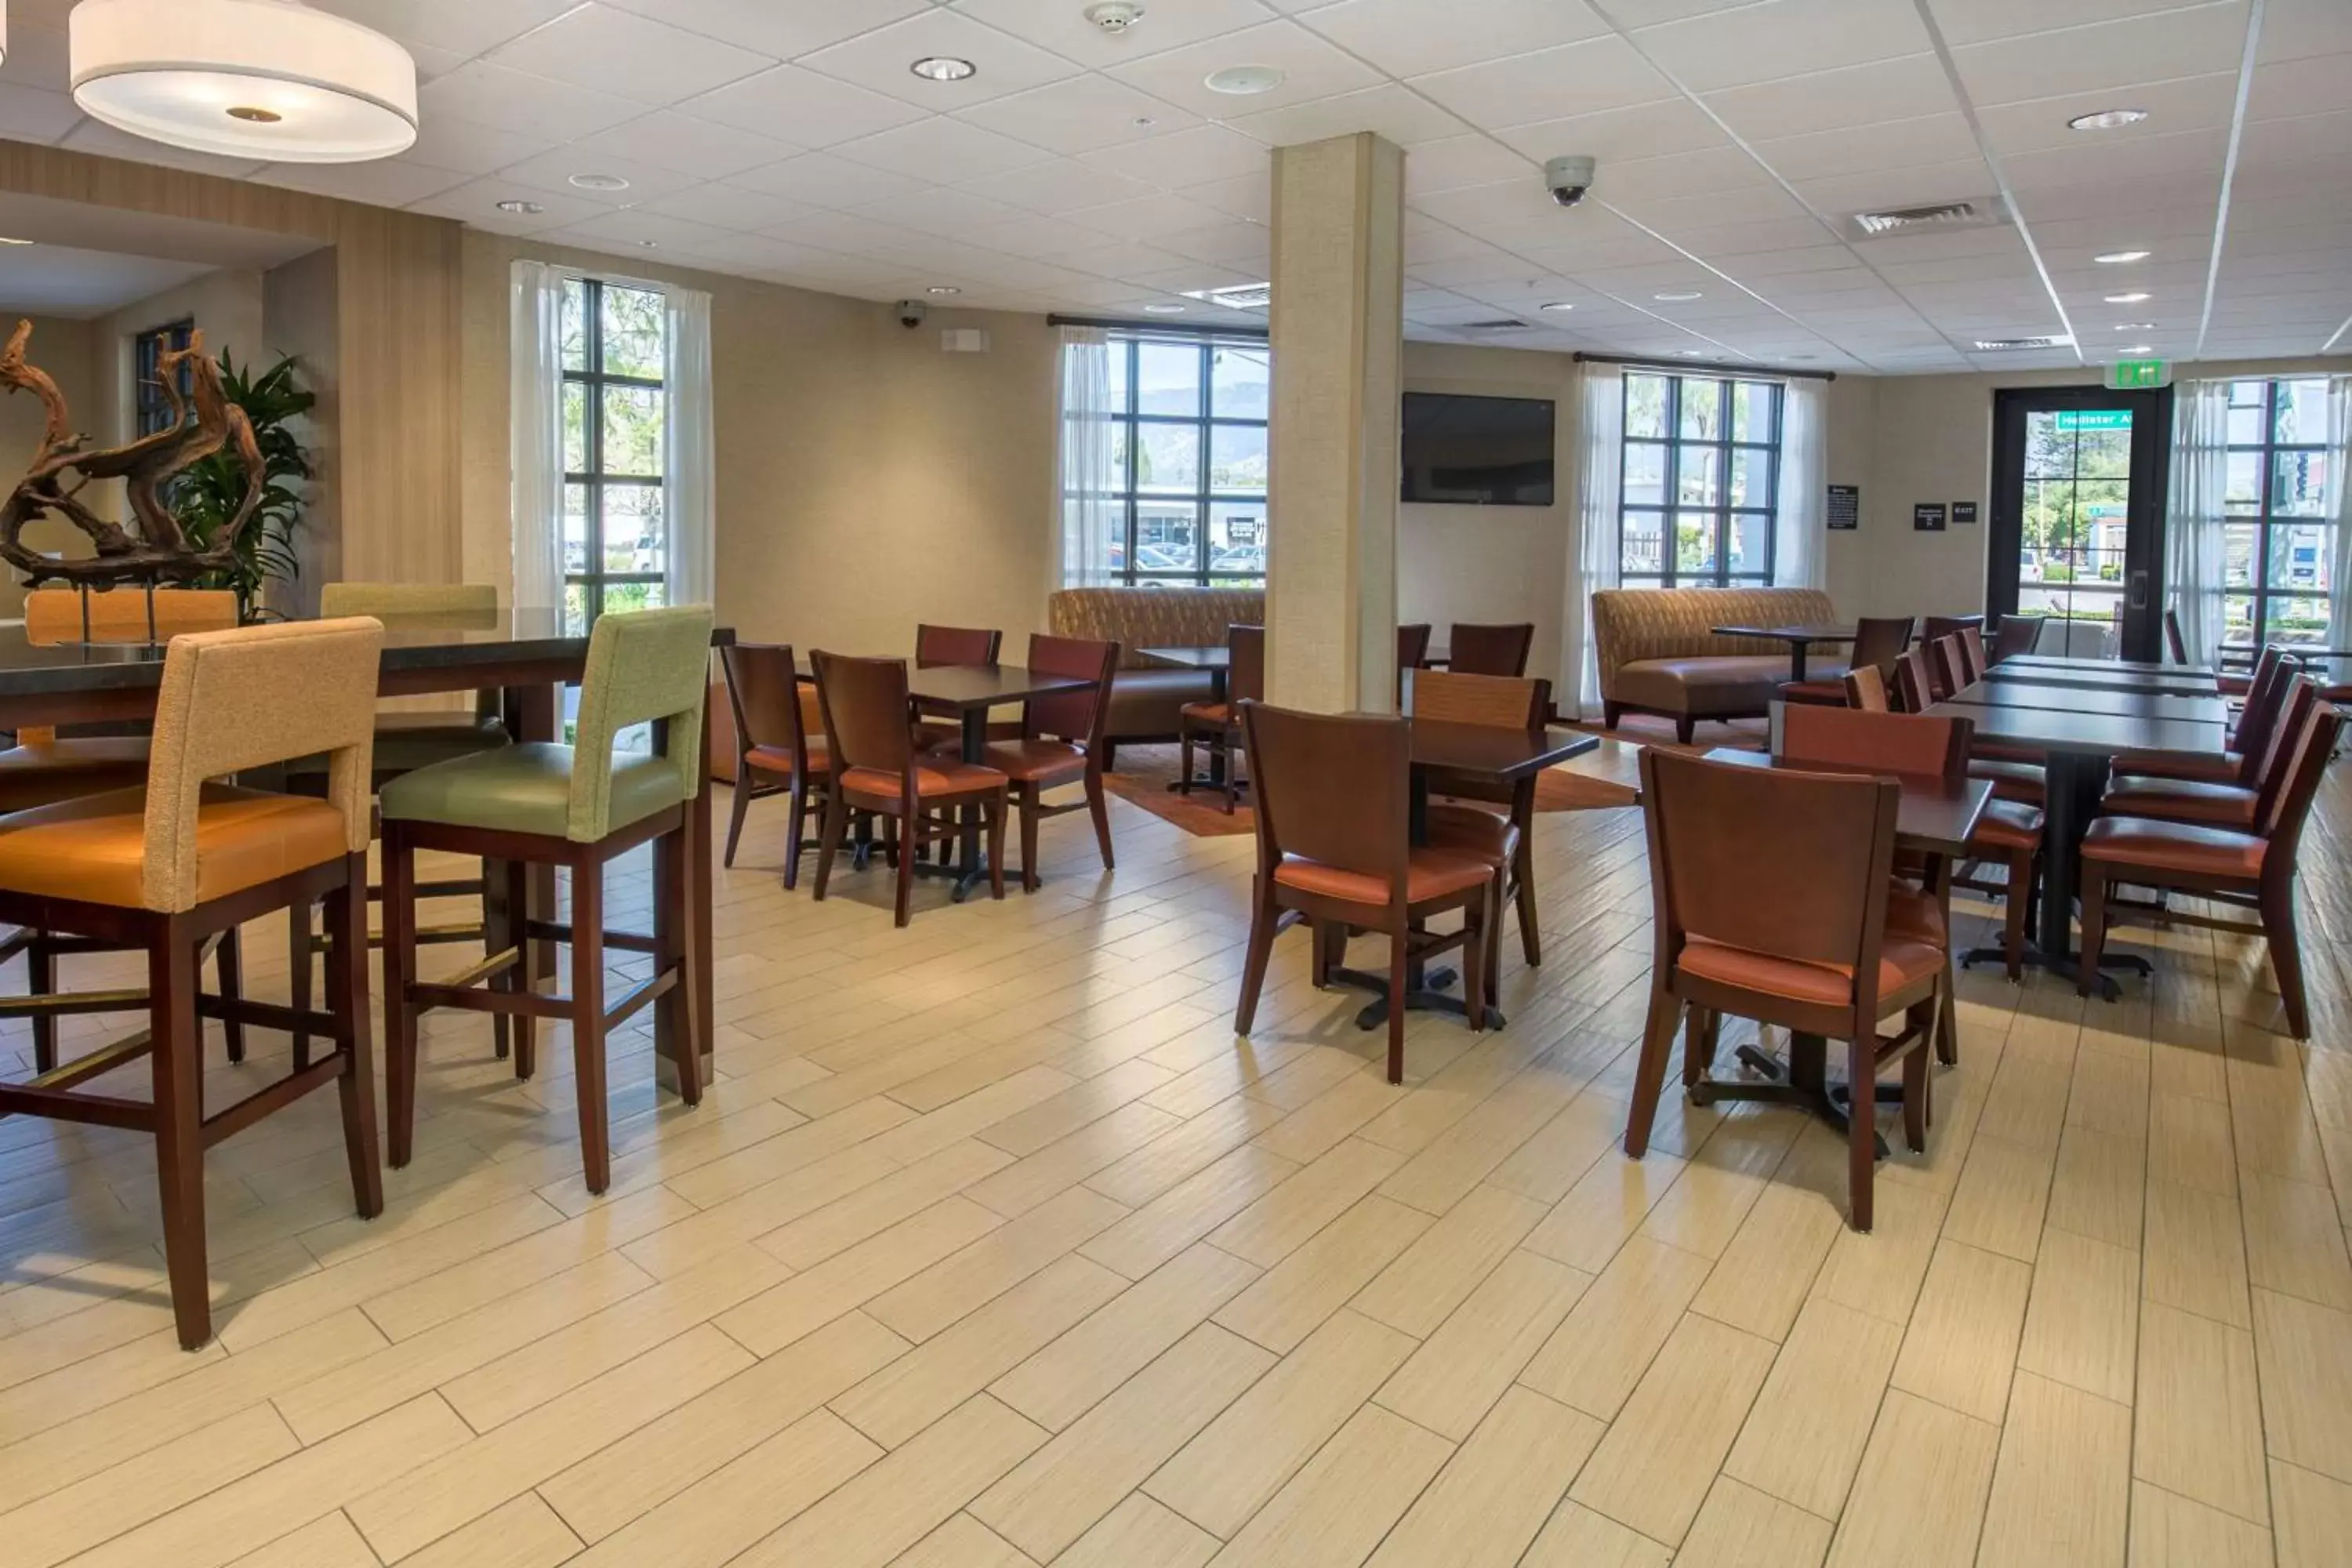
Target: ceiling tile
[(691, 146), (941, 211), (781, 28), (1080, 114), (1411, 38), (1718, 169), (1147, 218), (822, 180), (445, 142), (1551, 84), (2301, 87), (800, 107), (515, 101), (553, 170), (2187, 160), (1902, 89), (638, 229), (2187, 104), (878, 62), (1043, 238), (1458, 161), (1930, 139), (728, 206), (1782, 39), (1957, 181), (1059, 186), (461, 27), (756, 251), (627, 56), (1243, 195), (1617, 135), (389, 182), (1193, 157), (1233, 243), (1311, 68), (2299, 29), (1126, 260), (90, 136), (1062, 26), (476, 203), (940, 150), (1403, 116), (2156, 47), (841, 231), (30, 114)]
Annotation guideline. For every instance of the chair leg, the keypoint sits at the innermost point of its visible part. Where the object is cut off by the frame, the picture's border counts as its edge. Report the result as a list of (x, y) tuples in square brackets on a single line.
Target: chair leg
[(1482, 930), (996, 810), (1915, 1078), (347, 999), (1948, 1019), (738, 802), (1185, 769), (2095, 926), (2286, 954), (798, 815), (1523, 879), (399, 972), (178, 1070), (1098, 807), (1396, 960), (41, 980), (672, 927), (2017, 900), (588, 1021), (1263, 916), (1650, 1073), (1232, 780), (1030, 805), (837, 818), (298, 959), (1701, 1029), (908, 838), (1862, 1126), (228, 961), (1683, 727), (499, 929), (519, 978)]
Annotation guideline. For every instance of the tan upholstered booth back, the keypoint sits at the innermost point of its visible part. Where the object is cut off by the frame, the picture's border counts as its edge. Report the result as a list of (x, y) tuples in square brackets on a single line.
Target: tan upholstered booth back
[(1630, 625), (1153, 617)]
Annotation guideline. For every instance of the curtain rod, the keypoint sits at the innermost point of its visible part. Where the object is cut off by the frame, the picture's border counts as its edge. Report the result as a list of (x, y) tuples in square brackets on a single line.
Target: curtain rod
[(1716, 367), (1168, 329)]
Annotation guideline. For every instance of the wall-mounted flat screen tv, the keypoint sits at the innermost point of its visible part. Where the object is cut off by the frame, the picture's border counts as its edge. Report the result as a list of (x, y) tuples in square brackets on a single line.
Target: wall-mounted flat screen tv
[(1477, 451)]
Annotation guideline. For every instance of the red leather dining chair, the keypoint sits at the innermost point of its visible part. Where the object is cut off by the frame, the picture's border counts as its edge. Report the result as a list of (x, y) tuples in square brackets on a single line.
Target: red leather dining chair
[(1060, 744), (1972, 654), (1218, 726), (1504, 838), (2015, 771), (2213, 803), (935, 647), (1878, 641), (1771, 892), (2246, 869), (1333, 799), (877, 769), (1489, 650), (781, 729)]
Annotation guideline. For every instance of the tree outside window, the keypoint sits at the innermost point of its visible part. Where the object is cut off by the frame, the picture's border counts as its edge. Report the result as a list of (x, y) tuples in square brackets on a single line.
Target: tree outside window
[(1700, 482), (616, 408)]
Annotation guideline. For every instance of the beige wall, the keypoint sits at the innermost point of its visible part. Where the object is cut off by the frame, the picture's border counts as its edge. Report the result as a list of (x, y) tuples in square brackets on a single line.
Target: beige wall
[(867, 481)]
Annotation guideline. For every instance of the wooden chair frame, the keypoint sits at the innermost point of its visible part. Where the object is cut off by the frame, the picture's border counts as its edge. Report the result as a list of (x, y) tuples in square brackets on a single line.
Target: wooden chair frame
[(1027, 795), (805, 790)]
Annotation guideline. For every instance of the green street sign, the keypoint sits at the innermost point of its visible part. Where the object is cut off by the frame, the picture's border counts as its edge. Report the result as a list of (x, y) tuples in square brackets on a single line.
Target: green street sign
[(2132, 372), (2095, 419)]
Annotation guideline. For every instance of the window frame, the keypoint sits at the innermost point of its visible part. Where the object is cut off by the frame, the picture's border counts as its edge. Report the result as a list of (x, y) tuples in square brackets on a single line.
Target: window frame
[(1131, 421), (150, 410), (2266, 522), (1723, 514), (594, 379)]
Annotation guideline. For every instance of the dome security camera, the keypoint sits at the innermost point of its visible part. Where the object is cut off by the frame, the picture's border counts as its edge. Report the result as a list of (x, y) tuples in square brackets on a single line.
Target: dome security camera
[(1568, 178), (911, 313)]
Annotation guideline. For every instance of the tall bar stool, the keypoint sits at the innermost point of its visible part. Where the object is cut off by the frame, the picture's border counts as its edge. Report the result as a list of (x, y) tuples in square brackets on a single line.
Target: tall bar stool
[(166, 867), (577, 807), (406, 742)]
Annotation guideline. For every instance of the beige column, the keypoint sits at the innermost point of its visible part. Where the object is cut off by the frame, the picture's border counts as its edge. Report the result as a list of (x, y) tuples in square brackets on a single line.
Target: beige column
[(1338, 347)]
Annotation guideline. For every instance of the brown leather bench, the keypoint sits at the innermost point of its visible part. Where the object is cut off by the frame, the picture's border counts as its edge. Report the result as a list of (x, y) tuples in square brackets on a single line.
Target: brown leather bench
[(1658, 652), (1146, 697)]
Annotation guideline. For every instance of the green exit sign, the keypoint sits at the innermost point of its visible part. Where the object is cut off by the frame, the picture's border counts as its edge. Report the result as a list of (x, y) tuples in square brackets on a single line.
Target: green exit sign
[(2095, 419), (2130, 372)]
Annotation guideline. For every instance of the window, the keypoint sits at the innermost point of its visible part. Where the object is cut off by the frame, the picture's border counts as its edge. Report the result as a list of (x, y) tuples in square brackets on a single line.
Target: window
[(1186, 420), (2279, 537), (1702, 459), (616, 409), (149, 408)]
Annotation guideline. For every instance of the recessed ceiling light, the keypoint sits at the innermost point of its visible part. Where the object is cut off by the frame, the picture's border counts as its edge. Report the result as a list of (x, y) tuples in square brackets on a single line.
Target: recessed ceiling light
[(1677, 297), (2107, 119), (2135, 326), (1163, 310), (944, 67), (5, 240), (527, 209), (2112, 258), (1692, 354), (2134, 298), (1556, 305), (1243, 80), (649, 245), (2140, 349), (943, 289), (599, 182), (1143, 120)]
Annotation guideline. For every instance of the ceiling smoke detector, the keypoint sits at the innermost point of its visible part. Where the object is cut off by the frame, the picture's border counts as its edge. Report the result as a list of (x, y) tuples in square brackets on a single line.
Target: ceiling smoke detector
[(2005, 345), (1937, 218), (1243, 81), (599, 182), (1115, 16)]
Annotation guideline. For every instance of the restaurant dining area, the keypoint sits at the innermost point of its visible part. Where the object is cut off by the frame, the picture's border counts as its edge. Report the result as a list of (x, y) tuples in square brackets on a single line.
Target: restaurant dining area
[(1199, 784)]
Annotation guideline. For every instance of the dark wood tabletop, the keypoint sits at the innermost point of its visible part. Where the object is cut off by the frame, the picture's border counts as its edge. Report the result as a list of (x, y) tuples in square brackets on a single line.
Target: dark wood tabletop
[(2093, 666), (1937, 814), (2117, 703), (967, 687), (2090, 734), (1831, 634), (2087, 676), (1492, 751)]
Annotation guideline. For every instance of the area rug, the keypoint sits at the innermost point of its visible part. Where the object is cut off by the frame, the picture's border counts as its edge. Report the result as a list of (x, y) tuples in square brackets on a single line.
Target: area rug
[(1145, 771)]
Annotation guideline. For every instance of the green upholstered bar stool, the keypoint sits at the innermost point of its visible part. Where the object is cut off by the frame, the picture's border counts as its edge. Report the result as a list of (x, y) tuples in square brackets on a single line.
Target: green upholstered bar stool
[(405, 743), (575, 806)]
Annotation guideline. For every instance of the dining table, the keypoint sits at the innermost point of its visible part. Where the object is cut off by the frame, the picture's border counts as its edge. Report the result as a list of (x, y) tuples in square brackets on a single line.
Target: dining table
[(1935, 815), (1798, 639), (1490, 754), (1215, 661), (2080, 734), (526, 654)]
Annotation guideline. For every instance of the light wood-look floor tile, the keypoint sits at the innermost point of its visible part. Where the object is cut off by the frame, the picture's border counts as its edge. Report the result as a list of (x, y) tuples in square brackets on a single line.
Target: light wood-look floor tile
[(2311, 1515), (2061, 1489), (2082, 1325), (1805, 1437), (1496, 1492), (1739, 1527), (1962, 1345), (2199, 1416), (1920, 1496), (1653, 1469), (2172, 1531), (1335, 1510)]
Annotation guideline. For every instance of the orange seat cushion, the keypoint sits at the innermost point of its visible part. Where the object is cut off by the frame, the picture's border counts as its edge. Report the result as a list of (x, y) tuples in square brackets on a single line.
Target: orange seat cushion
[(92, 849), (2011, 780), (2007, 824), (1431, 873), (1208, 713), (934, 778), (2181, 800), (779, 759), (1901, 962), (1489, 836), (1033, 762), (2142, 841), (1826, 693)]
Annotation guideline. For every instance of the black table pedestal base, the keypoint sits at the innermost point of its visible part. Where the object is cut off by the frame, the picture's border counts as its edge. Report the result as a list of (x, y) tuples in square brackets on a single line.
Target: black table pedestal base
[(1428, 994), (1802, 1081), (2065, 965)]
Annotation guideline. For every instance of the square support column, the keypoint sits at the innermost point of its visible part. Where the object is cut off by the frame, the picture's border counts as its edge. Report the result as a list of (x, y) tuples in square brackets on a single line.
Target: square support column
[(1338, 350)]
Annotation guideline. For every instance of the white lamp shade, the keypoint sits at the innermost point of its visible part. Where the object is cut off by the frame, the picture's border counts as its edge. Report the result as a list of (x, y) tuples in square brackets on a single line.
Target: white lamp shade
[(243, 79)]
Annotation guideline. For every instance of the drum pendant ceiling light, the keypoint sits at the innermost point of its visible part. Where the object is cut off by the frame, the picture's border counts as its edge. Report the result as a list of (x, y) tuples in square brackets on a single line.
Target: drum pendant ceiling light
[(243, 79)]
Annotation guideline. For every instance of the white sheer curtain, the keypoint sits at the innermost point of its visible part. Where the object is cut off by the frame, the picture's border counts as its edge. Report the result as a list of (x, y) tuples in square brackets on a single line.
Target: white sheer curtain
[(1089, 519), (535, 381), (2338, 506), (689, 459), (1599, 460), (2196, 528), (1799, 547)]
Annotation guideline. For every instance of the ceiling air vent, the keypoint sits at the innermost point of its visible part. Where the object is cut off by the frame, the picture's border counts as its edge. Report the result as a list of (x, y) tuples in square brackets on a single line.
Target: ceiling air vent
[(1498, 324), (2003, 346), (1240, 297), (1937, 217)]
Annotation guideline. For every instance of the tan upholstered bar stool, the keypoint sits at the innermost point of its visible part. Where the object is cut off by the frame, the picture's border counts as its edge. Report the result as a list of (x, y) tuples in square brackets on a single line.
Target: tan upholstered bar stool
[(578, 807), (166, 867)]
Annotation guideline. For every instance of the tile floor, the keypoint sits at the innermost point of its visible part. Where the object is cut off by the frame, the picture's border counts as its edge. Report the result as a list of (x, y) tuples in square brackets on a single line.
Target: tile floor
[(994, 1247)]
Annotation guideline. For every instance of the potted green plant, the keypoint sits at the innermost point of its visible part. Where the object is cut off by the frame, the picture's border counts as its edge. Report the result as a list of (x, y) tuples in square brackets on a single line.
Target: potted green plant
[(207, 493)]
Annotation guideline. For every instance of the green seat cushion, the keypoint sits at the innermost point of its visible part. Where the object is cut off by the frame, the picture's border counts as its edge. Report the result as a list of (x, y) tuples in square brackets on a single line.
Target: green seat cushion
[(406, 742), (523, 789)]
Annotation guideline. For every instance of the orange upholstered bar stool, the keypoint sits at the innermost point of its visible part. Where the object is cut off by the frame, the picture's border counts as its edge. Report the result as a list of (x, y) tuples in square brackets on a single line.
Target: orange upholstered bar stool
[(1060, 744), (167, 867)]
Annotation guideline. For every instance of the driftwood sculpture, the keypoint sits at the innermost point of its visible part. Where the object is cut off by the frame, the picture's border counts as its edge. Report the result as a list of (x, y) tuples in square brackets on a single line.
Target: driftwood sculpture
[(159, 552)]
